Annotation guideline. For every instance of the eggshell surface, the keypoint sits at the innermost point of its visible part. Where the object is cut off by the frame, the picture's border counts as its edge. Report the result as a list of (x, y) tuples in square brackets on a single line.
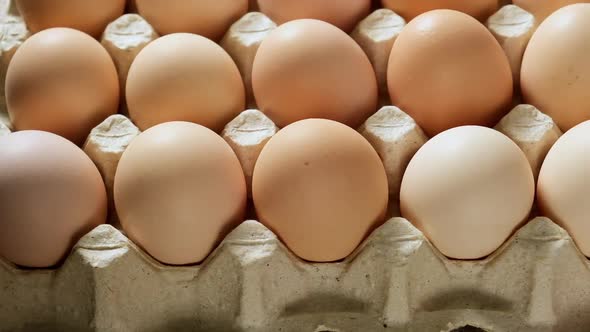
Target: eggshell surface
[(543, 8), (91, 17), (563, 190), (408, 9), (344, 14), (208, 18), (555, 72), (467, 189), (321, 187), (447, 70), (184, 77), (311, 69), (62, 81), (179, 189), (50, 195)]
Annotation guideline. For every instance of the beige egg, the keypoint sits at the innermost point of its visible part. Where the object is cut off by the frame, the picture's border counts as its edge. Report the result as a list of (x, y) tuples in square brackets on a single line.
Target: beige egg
[(344, 14), (311, 69), (321, 187), (563, 190), (208, 18), (555, 72), (62, 81), (543, 8), (408, 9), (184, 77), (90, 17), (179, 189), (467, 189), (51, 194), (447, 70)]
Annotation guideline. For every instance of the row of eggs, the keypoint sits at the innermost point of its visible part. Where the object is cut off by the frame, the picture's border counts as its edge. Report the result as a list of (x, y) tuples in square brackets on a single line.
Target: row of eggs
[(211, 18), (63, 81), (318, 184)]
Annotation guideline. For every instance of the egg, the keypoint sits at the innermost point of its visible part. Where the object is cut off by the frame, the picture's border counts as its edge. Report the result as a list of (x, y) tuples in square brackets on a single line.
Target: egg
[(563, 191), (408, 9), (179, 189), (208, 18), (555, 72), (184, 77), (91, 17), (543, 8), (62, 81), (311, 69), (467, 189), (50, 195), (344, 14), (446, 70), (321, 187)]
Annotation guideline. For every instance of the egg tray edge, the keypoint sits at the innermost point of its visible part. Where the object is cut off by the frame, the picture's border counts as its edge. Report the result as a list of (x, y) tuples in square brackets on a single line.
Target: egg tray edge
[(395, 281)]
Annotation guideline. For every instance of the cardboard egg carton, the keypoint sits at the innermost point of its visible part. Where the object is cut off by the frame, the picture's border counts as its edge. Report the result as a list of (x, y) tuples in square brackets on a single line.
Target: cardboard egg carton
[(394, 281)]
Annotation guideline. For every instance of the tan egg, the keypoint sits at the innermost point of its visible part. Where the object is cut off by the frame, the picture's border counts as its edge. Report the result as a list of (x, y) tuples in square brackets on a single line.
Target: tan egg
[(467, 189), (51, 194), (179, 189), (90, 17), (408, 9), (311, 69), (555, 72), (321, 187), (447, 70), (196, 82), (563, 190), (208, 18), (344, 14), (62, 81), (543, 8)]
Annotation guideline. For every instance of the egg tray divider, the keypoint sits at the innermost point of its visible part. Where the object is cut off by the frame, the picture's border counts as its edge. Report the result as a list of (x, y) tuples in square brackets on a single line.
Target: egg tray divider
[(395, 281)]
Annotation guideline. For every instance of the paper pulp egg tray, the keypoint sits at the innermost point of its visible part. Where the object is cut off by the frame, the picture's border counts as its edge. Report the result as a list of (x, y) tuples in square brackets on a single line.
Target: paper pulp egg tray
[(395, 281)]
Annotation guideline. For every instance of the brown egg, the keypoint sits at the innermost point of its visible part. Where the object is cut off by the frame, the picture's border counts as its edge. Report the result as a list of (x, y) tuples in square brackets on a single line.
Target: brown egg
[(179, 189), (555, 73), (91, 17), (321, 187), (543, 8), (197, 82), (467, 189), (344, 14), (408, 9), (563, 190), (311, 69), (208, 18), (62, 81), (51, 194), (447, 70)]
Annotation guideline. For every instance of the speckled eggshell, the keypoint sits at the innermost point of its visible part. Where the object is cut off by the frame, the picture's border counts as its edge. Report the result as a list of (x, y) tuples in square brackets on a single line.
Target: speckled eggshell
[(91, 17), (179, 189), (208, 18), (321, 187), (563, 190), (62, 81), (311, 69), (408, 9), (51, 194), (467, 189), (344, 14), (184, 77), (555, 73), (447, 70)]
